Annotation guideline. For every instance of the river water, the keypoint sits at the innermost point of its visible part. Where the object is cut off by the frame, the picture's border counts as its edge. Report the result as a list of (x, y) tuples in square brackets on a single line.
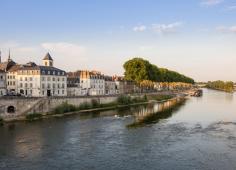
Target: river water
[(199, 133)]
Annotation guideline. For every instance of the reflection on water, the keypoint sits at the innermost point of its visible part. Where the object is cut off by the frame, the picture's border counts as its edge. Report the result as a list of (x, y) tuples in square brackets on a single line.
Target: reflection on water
[(199, 133), (155, 112)]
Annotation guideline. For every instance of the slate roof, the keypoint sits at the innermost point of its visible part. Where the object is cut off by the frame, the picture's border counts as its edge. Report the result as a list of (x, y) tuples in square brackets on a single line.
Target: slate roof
[(45, 70), (48, 57)]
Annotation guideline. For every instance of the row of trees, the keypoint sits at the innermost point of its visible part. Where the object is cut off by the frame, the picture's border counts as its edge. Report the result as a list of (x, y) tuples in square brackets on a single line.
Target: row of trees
[(221, 85), (138, 70)]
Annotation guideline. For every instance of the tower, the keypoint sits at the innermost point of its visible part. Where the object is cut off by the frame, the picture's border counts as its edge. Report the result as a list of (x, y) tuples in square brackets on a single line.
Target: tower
[(0, 56), (9, 56), (48, 61)]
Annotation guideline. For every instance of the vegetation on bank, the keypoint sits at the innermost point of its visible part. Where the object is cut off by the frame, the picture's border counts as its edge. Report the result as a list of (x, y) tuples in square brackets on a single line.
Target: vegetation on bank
[(221, 85), (159, 97), (121, 101), (139, 70), (1, 121), (33, 116)]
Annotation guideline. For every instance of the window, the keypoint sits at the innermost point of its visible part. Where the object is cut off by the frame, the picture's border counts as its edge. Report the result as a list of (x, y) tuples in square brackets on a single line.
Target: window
[(31, 79), (49, 86), (31, 85), (49, 78), (62, 91), (43, 78), (21, 85), (21, 79), (43, 86), (25, 78), (26, 85)]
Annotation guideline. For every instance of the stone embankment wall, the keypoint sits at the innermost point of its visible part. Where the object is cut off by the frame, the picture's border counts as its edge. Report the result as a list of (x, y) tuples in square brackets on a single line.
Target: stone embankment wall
[(18, 106)]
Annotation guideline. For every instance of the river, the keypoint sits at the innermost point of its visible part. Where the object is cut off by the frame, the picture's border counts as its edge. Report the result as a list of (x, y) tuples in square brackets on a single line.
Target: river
[(199, 133)]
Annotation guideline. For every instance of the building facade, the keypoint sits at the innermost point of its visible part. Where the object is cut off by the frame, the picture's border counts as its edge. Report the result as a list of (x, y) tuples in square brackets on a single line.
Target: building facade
[(110, 86), (3, 85), (92, 83), (33, 80)]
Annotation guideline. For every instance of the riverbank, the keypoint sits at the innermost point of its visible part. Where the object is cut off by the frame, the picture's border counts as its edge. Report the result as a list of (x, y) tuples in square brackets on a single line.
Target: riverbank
[(94, 104), (67, 109), (223, 90)]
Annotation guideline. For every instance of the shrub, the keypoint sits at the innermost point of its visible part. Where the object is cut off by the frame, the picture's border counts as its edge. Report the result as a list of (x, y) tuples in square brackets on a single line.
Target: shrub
[(64, 108), (1, 121), (124, 99), (33, 116), (95, 103), (85, 106)]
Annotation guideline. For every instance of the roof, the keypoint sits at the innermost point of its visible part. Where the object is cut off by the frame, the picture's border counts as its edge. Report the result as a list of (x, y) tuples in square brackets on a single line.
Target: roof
[(48, 57), (43, 69), (7, 65), (14, 68), (2, 71)]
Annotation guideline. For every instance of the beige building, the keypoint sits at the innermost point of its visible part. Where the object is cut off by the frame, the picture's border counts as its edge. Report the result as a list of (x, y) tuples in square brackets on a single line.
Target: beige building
[(92, 83), (35, 80), (3, 85), (110, 86), (40, 81)]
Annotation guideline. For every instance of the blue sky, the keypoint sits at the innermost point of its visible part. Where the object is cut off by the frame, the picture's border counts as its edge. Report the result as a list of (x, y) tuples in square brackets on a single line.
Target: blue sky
[(194, 37)]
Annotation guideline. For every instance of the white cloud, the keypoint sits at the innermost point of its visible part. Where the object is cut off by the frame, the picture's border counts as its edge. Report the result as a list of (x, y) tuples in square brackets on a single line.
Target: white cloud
[(139, 28), (166, 28), (231, 8), (225, 29), (159, 28), (211, 2)]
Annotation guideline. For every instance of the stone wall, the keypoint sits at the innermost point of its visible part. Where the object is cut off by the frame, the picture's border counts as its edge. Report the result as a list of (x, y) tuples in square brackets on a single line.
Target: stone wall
[(19, 106)]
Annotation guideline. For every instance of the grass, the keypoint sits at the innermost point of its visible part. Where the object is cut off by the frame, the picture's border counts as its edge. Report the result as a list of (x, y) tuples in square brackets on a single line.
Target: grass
[(33, 116)]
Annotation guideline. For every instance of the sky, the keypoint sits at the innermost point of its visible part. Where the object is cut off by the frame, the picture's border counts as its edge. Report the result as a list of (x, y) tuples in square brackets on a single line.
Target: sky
[(194, 37)]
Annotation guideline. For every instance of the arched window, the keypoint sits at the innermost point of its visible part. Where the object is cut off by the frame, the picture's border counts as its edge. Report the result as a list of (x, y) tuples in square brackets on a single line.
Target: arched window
[(11, 109)]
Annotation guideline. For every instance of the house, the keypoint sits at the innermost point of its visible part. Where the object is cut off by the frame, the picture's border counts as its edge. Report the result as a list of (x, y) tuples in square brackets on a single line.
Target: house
[(73, 84), (124, 86), (110, 85), (34, 80), (3, 86), (92, 83)]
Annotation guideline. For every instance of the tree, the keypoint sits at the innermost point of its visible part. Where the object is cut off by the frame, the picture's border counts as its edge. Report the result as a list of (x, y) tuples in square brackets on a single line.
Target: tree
[(138, 69)]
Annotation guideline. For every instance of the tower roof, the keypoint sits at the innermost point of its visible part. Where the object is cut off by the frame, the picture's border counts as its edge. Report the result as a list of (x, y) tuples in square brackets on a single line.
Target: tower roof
[(48, 57)]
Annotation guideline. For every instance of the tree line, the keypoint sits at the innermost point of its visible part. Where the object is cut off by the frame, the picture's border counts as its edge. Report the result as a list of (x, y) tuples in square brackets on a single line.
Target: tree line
[(221, 85), (138, 70)]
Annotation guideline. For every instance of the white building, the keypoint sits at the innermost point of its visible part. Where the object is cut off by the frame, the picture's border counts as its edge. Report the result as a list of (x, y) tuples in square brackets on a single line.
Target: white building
[(34, 80), (3, 87), (73, 84), (40, 81), (110, 86), (92, 83)]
